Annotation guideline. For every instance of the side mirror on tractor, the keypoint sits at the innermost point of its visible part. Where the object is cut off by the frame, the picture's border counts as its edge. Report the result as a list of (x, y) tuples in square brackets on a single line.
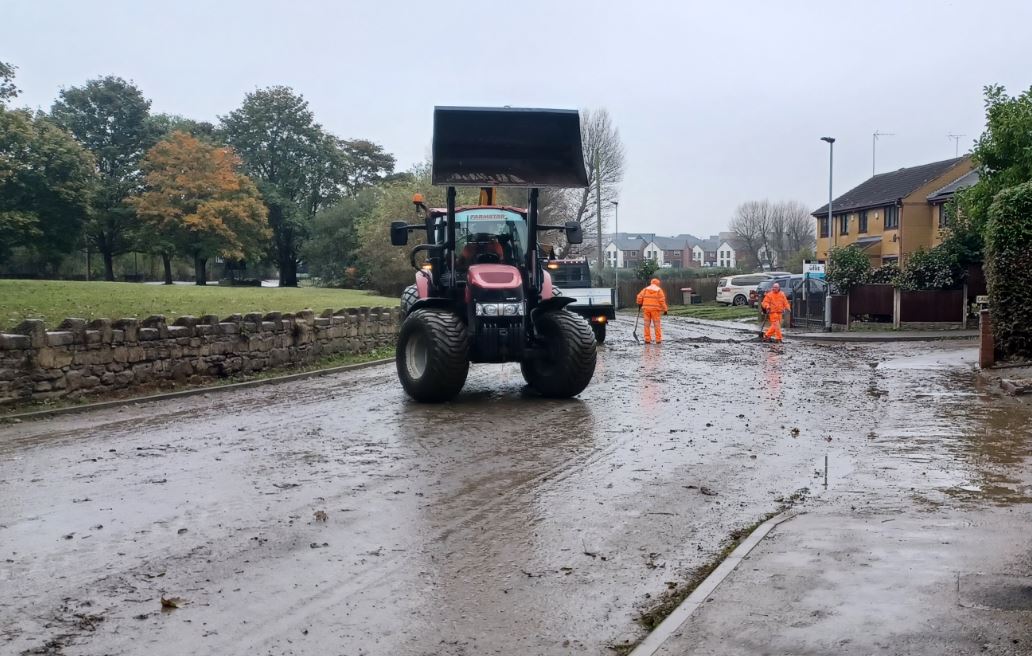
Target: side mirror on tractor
[(574, 233), (399, 233)]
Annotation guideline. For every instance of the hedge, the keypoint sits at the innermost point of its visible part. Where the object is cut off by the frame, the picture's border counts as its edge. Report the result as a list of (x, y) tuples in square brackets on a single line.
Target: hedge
[(1008, 244)]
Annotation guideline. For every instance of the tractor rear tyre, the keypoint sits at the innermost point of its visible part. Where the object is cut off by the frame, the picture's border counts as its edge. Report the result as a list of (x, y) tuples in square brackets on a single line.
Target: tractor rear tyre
[(600, 332), (570, 363), (408, 299), (432, 355)]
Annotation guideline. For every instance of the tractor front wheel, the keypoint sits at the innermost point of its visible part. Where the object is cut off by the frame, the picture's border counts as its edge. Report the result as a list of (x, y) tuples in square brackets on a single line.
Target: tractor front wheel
[(408, 299), (432, 355), (570, 363)]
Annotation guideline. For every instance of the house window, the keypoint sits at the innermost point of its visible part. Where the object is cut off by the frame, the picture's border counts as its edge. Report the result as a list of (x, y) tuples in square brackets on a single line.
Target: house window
[(890, 260), (824, 226), (891, 217), (633, 253), (943, 216), (843, 224), (861, 222)]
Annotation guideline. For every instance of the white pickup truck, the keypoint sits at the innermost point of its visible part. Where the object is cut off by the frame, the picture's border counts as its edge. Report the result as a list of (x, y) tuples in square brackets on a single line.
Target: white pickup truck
[(571, 278)]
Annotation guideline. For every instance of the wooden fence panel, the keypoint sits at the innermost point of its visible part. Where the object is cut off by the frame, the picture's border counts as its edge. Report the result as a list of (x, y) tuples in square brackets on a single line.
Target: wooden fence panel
[(838, 310), (946, 305), (871, 300), (630, 286)]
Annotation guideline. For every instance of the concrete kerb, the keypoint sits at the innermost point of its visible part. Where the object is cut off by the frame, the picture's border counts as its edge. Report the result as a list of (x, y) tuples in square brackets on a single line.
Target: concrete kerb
[(101, 405), (652, 643)]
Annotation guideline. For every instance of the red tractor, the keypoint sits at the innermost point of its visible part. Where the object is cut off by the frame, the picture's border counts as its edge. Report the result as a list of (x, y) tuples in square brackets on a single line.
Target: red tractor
[(482, 292)]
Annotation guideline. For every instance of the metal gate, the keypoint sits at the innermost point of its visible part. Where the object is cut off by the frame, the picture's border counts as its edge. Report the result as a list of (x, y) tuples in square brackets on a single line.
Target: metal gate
[(808, 306)]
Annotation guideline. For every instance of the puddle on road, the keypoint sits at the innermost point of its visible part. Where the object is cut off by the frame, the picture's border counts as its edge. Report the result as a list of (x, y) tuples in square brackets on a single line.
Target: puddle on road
[(961, 443)]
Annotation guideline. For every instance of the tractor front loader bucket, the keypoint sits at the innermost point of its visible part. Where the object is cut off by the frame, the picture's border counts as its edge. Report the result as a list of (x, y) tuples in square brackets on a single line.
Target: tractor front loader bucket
[(507, 147)]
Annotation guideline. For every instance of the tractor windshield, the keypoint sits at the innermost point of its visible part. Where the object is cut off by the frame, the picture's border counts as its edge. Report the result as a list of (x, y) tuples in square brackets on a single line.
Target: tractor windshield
[(490, 236)]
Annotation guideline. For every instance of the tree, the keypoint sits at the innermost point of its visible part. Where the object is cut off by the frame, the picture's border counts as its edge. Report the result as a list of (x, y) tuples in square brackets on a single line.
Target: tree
[(384, 267), (1003, 156), (299, 167), (800, 233), (196, 201), (646, 269), (604, 161), (1008, 241), (332, 252), (780, 229), (165, 124), (110, 118), (887, 274), (46, 185), (752, 226), (367, 164), (7, 89), (848, 267), (926, 269), (794, 262)]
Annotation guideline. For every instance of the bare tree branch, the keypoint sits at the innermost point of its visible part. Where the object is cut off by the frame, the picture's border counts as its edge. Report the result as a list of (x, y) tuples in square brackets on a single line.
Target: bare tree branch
[(779, 229), (604, 161)]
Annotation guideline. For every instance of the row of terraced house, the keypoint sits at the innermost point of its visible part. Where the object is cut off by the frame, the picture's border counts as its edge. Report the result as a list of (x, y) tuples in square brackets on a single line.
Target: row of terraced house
[(626, 250), (891, 215)]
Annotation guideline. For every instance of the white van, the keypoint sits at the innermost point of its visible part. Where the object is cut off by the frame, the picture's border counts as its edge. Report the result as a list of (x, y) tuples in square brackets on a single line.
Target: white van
[(734, 290)]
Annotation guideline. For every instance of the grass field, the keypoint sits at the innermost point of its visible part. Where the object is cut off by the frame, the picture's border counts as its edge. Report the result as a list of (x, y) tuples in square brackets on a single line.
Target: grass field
[(714, 311), (55, 301)]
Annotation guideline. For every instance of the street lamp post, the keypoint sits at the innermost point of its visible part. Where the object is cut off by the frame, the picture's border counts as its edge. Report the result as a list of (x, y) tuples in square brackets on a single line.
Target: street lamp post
[(827, 283), (616, 240)]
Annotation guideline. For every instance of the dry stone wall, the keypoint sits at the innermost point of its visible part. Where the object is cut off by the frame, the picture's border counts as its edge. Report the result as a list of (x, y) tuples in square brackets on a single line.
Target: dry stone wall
[(83, 358)]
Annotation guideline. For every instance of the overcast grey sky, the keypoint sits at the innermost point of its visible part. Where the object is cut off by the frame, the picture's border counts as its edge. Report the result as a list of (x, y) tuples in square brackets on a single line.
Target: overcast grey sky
[(717, 103)]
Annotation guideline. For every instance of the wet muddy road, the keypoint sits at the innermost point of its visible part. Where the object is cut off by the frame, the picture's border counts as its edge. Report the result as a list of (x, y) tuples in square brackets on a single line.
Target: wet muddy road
[(334, 516)]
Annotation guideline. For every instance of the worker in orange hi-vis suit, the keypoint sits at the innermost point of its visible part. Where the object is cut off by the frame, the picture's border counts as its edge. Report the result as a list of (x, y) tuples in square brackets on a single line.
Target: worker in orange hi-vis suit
[(775, 303), (653, 303)]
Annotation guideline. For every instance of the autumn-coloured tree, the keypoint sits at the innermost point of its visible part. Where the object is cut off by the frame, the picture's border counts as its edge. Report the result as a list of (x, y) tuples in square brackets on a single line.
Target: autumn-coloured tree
[(197, 204)]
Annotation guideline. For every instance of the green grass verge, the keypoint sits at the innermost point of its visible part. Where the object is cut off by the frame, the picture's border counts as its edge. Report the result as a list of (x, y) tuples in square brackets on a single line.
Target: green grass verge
[(714, 311), (56, 300), (327, 362)]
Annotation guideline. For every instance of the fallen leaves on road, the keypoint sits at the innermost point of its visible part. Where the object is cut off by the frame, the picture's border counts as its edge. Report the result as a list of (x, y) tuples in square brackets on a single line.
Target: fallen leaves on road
[(321, 516), (173, 602)]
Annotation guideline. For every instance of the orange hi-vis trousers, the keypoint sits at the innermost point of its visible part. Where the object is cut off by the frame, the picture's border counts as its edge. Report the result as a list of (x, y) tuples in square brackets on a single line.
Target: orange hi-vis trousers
[(774, 330), (652, 317)]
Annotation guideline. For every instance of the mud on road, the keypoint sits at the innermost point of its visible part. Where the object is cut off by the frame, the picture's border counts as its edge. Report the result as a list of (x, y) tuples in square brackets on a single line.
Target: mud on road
[(333, 515)]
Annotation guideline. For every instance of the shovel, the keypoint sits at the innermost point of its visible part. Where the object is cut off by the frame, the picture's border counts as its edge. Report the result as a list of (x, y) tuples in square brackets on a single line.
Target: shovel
[(635, 333)]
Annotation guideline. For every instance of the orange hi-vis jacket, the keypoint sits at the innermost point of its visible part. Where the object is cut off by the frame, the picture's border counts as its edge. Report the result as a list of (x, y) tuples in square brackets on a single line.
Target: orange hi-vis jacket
[(776, 302), (652, 298)]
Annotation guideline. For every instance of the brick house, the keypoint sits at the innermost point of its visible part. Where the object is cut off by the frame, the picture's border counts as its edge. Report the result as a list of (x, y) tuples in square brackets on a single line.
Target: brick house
[(893, 214)]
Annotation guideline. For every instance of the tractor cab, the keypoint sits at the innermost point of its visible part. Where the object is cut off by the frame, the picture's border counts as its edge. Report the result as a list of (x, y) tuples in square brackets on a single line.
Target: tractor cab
[(482, 293)]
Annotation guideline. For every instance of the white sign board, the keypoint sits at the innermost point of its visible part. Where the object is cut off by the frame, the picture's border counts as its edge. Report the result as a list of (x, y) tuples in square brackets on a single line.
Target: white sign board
[(813, 270)]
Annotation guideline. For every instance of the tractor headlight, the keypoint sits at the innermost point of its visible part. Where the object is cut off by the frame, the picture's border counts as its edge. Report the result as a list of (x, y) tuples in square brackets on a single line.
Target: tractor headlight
[(499, 309)]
